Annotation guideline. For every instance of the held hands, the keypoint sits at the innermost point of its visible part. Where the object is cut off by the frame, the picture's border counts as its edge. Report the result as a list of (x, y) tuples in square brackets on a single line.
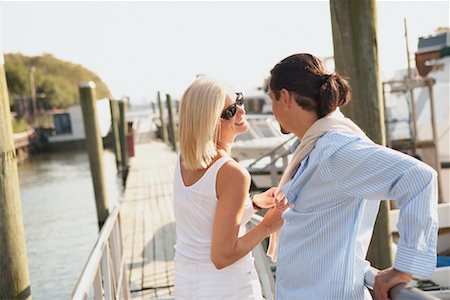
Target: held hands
[(267, 199), (273, 219), (387, 279)]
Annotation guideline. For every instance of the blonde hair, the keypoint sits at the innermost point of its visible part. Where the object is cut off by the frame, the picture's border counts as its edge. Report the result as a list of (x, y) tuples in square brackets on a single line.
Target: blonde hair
[(199, 120)]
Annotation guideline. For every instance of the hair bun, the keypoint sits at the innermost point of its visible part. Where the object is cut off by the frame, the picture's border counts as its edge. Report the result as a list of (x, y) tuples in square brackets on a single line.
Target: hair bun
[(326, 77)]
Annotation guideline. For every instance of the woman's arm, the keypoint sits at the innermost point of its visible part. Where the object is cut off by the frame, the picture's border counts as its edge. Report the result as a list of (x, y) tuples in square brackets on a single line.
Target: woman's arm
[(232, 188)]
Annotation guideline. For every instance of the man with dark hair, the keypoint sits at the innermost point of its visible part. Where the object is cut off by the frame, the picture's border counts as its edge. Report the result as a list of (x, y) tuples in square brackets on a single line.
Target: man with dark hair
[(334, 185)]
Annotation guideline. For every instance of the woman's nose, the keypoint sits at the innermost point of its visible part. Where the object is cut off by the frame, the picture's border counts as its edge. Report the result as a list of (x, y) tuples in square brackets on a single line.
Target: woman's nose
[(241, 109)]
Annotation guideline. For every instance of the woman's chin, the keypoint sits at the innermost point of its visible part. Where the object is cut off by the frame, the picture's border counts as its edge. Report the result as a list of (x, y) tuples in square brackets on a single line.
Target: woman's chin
[(242, 127)]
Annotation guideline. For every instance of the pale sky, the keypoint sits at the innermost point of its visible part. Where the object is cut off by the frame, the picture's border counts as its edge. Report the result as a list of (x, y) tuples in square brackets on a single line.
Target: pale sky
[(138, 48)]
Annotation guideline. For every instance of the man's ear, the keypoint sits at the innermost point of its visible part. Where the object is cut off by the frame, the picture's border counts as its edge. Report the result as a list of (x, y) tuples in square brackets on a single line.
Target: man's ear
[(285, 98)]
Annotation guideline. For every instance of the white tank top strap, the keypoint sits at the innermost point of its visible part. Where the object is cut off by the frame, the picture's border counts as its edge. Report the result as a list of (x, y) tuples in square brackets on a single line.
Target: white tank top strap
[(215, 167)]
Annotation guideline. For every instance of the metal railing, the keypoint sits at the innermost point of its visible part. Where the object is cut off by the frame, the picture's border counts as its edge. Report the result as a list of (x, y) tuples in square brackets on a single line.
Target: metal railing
[(273, 160), (105, 270), (398, 292), (262, 264), (272, 151)]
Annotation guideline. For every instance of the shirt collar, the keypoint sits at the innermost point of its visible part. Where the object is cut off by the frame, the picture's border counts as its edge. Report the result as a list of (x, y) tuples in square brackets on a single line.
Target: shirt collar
[(295, 145)]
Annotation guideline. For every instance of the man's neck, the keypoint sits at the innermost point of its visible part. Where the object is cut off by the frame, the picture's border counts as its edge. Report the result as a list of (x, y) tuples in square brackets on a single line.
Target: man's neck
[(307, 119)]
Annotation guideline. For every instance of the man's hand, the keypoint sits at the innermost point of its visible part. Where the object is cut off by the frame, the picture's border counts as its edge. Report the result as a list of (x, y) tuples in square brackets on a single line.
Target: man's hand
[(387, 279)]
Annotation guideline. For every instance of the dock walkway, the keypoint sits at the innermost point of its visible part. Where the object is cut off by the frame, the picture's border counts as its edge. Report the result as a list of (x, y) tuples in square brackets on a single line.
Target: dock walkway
[(148, 223)]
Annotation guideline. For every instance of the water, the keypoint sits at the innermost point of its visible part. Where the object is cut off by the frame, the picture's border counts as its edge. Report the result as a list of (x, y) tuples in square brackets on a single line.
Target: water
[(60, 217)]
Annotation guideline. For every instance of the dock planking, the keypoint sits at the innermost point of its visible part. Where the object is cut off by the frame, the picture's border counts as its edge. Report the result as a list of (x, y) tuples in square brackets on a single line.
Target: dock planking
[(148, 222)]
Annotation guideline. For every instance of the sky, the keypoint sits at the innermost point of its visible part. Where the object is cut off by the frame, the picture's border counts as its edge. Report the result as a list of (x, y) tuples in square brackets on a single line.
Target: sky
[(139, 48)]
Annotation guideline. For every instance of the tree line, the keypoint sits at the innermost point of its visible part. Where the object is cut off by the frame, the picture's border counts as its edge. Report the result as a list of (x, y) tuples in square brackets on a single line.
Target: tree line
[(56, 81)]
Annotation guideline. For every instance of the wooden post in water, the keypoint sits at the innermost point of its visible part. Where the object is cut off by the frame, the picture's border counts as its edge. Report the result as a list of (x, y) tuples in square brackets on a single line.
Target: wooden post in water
[(152, 104), (123, 130), (161, 118), (114, 108), (172, 124), (14, 278), (33, 97), (354, 28), (94, 146)]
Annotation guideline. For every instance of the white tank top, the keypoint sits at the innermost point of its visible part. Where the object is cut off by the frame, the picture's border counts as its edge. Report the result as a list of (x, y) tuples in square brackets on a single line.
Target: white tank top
[(195, 208)]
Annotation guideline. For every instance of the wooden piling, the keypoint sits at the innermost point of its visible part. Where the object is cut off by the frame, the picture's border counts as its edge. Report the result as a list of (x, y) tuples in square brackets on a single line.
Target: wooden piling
[(162, 121), (14, 277), (123, 132), (114, 108), (94, 147), (33, 97), (172, 124), (354, 28)]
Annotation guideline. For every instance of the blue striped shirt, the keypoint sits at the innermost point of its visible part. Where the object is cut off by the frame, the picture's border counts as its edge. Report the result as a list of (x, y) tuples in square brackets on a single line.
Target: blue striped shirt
[(334, 199)]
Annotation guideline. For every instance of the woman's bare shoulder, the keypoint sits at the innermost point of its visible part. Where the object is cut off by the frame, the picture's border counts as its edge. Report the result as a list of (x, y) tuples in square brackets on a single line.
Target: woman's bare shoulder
[(232, 177)]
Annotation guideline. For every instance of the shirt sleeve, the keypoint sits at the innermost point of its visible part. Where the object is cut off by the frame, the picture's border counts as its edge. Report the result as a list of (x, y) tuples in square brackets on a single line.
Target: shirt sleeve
[(364, 170)]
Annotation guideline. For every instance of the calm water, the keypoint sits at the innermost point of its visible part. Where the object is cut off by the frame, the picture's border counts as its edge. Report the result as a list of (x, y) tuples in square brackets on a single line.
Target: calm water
[(60, 217)]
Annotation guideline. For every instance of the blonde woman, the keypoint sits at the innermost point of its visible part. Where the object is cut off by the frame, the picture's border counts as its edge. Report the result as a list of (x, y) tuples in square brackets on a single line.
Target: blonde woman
[(211, 202)]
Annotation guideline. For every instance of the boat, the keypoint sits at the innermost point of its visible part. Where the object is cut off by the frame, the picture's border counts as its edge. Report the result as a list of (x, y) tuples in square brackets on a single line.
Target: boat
[(259, 149), (417, 113), (69, 127), (420, 127)]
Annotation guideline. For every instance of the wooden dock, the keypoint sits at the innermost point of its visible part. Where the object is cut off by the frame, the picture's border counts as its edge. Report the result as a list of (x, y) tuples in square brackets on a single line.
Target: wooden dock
[(148, 223)]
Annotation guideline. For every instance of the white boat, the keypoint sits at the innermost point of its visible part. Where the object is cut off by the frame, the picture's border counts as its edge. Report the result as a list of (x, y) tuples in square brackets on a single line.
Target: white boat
[(262, 143), (424, 123), (421, 128), (263, 136), (69, 126)]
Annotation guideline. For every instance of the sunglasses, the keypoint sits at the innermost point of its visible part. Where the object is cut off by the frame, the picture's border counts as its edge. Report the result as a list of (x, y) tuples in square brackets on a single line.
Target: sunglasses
[(231, 110)]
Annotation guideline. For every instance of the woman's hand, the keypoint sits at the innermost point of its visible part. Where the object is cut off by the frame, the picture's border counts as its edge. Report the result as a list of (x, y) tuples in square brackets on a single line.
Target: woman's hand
[(265, 199), (273, 219)]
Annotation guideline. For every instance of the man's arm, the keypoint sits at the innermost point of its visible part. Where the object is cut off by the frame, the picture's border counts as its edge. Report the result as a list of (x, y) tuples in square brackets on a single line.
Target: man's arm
[(365, 170)]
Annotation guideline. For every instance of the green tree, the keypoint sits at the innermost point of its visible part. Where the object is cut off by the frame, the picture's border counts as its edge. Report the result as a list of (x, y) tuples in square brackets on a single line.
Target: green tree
[(56, 80)]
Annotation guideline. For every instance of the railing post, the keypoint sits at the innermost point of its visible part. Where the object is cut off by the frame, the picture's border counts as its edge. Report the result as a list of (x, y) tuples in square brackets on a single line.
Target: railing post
[(124, 286), (14, 278), (161, 118), (115, 256), (114, 108), (261, 264), (172, 124), (123, 130), (94, 147), (98, 286), (264, 272)]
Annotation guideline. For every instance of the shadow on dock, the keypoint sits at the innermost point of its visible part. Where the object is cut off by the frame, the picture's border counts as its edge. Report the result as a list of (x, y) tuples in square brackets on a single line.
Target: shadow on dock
[(148, 221)]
